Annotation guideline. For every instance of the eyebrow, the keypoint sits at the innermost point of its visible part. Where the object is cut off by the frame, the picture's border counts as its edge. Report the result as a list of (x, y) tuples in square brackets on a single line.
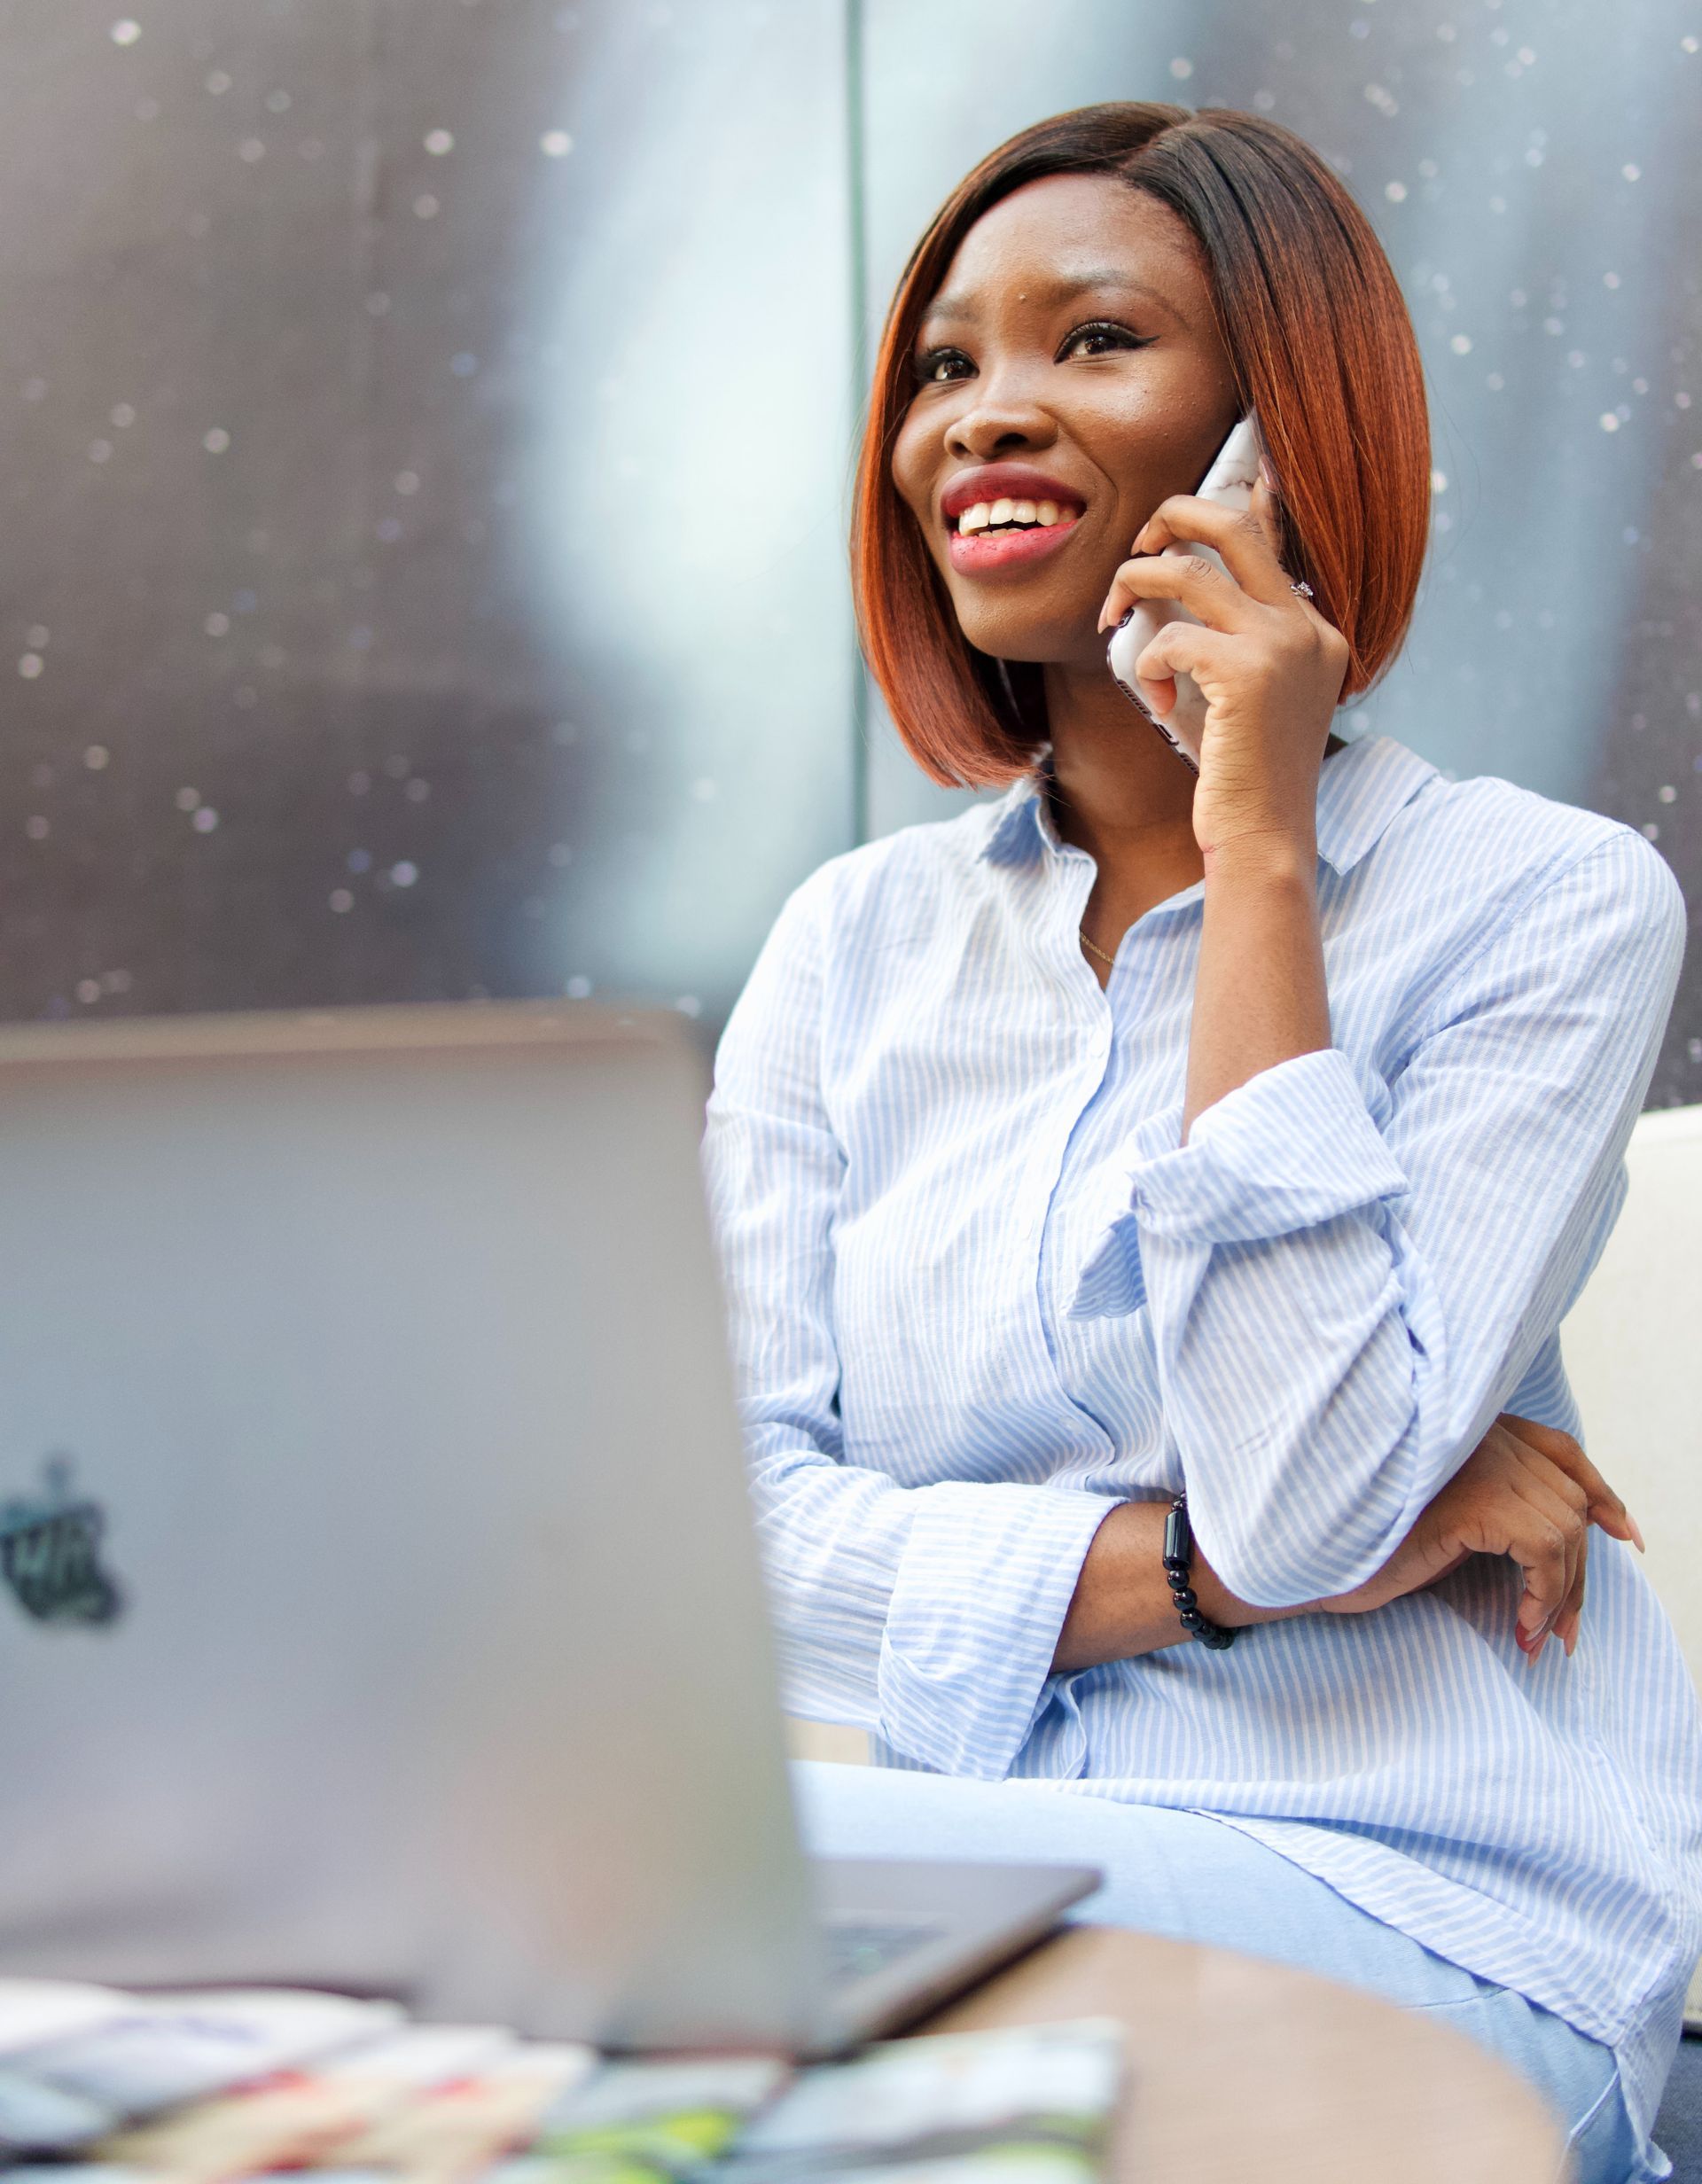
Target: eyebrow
[(1061, 291)]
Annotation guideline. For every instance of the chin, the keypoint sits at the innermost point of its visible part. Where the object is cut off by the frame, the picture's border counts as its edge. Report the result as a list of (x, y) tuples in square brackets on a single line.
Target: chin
[(1042, 632), (1038, 644), (1008, 632)]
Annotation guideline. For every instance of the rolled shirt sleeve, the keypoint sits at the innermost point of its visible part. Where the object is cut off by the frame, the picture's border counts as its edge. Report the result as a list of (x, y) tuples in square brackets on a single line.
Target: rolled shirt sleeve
[(1349, 1270), (927, 1614)]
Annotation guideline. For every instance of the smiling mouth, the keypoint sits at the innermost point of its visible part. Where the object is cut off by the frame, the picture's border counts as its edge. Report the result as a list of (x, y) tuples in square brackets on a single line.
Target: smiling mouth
[(996, 519), (992, 550)]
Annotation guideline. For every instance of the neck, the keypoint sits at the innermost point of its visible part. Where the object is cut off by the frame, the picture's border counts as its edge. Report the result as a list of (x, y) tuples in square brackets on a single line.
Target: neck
[(1120, 792)]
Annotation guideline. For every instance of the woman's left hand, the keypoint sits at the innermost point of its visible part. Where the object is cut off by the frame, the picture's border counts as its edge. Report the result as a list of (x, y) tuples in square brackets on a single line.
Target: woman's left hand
[(1267, 663), (1527, 1492)]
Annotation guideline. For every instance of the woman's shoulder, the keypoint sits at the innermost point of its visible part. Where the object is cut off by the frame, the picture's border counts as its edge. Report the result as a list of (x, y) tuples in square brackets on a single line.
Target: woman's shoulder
[(881, 890), (1493, 843)]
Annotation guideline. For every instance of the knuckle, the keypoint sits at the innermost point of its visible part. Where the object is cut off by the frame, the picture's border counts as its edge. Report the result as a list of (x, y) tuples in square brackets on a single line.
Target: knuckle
[(1196, 567)]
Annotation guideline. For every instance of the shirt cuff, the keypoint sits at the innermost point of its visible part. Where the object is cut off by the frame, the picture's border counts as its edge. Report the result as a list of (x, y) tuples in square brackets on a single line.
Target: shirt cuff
[(1298, 1144), (983, 1586)]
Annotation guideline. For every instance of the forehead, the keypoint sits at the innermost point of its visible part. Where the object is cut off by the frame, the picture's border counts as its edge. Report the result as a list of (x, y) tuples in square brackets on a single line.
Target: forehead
[(1066, 231)]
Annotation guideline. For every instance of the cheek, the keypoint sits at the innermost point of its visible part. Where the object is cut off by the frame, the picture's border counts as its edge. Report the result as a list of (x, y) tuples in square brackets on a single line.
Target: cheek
[(912, 476), (912, 471), (1143, 439)]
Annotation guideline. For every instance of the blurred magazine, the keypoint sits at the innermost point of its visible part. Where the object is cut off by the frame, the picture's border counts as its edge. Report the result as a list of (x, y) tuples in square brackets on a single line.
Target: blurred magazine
[(215, 2087), (1027, 2105)]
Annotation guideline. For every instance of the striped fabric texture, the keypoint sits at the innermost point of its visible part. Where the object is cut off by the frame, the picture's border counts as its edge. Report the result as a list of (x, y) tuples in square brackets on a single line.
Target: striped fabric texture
[(979, 1293)]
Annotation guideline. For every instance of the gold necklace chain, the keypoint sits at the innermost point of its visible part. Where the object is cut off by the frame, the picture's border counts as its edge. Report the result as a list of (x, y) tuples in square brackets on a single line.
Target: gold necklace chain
[(1086, 943)]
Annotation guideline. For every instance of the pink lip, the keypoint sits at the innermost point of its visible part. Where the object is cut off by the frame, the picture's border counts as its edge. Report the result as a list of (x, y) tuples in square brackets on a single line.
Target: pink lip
[(995, 481), (980, 556)]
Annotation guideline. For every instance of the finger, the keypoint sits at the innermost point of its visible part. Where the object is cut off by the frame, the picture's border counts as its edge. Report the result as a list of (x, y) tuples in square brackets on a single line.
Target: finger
[(1156, 699), (1184, 648), (1243, 536), (1606, 1508), (1562, 1501), (1201, 587), (1565, 1512), (1263, 506), (1573, 1614), (1565, 1627), (1537, 1542), (1555, 1534)]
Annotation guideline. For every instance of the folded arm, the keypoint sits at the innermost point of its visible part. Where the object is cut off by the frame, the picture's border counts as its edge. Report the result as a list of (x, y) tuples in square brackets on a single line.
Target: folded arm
[(1348, 1273)]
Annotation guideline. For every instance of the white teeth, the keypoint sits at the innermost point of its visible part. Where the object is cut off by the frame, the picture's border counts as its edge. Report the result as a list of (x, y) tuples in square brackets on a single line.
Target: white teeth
[(990, 515)]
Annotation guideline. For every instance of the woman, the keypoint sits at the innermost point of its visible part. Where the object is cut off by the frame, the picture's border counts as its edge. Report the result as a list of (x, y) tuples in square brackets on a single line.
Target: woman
[(1241, 1137)]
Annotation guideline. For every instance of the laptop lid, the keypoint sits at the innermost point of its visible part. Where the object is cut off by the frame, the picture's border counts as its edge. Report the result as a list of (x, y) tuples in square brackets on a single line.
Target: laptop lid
[(380, 1605)]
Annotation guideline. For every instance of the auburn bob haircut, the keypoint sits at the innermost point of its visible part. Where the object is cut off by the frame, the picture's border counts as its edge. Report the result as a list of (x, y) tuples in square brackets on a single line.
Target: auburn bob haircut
[(1318, 337)]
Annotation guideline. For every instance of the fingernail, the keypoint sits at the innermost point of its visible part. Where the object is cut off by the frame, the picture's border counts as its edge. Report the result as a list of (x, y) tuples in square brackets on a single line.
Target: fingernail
[(1636, 1534), (1266, 473)]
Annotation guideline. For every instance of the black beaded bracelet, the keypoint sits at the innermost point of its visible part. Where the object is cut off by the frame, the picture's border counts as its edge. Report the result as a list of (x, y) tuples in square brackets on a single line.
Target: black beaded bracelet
[(1178, 1553)]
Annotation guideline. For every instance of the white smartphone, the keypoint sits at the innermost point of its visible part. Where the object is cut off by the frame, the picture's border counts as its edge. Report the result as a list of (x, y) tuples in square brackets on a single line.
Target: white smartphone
[(1231, 481)]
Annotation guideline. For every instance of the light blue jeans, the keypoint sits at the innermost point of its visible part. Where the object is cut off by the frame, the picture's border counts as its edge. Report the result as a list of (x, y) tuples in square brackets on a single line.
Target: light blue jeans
[(1192, 1878)]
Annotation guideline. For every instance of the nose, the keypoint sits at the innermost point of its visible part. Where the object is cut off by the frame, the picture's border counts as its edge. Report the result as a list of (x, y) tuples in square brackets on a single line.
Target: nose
[(1002, 417)]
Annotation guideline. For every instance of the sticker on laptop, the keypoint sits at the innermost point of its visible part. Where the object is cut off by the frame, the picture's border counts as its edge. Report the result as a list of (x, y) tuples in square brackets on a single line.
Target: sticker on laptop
[(50, 1552)]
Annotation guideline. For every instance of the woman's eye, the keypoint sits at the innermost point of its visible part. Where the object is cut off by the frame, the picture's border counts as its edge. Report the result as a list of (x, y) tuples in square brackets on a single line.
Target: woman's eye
[(1100, 338), (936, 366)]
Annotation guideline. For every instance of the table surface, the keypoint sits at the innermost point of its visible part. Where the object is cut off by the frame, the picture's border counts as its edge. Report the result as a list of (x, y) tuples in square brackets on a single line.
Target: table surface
[(1241, 2069)]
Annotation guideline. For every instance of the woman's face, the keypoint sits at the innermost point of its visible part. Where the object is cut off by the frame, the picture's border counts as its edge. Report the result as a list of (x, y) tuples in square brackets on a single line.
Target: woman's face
[(1069, 377)]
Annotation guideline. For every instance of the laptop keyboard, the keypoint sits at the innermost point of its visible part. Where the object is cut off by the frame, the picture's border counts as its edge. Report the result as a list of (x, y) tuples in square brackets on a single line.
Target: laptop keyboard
[(858, 1946)]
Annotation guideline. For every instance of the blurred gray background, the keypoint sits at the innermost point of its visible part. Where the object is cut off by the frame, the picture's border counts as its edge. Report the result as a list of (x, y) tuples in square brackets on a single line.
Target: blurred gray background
[(428, 427)]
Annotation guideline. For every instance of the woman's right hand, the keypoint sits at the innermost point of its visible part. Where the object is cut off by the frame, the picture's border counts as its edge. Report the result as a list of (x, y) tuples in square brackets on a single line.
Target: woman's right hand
[(1527, 1491)]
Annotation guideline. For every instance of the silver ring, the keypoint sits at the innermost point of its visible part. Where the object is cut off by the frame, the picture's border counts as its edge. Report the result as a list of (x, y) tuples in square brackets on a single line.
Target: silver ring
[(1304, 590)]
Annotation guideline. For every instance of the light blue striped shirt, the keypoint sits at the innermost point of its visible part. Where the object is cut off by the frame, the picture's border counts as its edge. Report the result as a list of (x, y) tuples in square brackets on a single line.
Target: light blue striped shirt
[(980, 1293)]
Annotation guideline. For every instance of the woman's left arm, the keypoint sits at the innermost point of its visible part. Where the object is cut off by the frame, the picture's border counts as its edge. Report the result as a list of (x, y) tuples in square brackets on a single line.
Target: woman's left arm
[(1347, 1281)]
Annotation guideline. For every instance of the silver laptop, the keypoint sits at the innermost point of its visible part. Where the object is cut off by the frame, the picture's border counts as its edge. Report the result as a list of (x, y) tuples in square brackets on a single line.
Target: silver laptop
[(379, 1605)]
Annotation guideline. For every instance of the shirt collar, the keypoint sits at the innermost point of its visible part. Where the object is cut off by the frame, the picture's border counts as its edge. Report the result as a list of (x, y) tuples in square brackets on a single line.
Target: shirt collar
[(1360, 790)]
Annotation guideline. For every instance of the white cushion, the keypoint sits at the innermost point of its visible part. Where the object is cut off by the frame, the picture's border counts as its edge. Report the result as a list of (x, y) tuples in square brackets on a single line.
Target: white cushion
[(1630, 1345)]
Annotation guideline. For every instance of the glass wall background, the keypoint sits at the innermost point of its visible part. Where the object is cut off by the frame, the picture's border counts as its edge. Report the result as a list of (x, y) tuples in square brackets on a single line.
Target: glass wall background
[(427, 424)]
